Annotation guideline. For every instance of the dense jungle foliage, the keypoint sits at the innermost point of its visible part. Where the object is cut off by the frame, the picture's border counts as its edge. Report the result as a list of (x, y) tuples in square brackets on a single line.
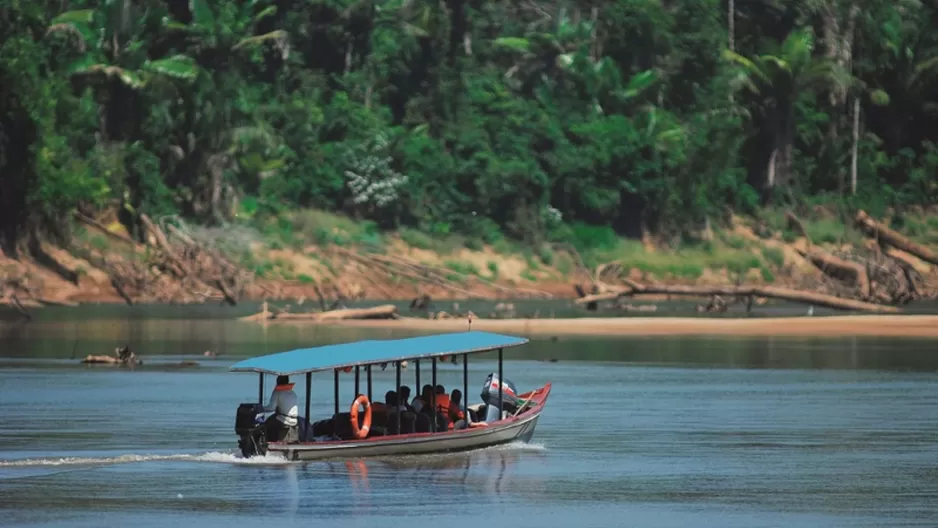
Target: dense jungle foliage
[(529, 118)]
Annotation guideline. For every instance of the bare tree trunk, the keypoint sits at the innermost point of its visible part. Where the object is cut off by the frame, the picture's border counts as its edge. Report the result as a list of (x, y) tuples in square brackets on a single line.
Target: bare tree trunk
[(732, 25), (856, 140), (770, 177), (348, 58)]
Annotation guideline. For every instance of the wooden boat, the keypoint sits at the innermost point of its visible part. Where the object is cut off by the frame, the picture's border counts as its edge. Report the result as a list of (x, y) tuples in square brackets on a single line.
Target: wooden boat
[(359, 439)]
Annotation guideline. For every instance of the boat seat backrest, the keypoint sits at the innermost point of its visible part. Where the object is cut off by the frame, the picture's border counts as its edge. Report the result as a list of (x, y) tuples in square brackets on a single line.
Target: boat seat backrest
[(407, 422), (422, 423), (342, 425), (379, 417)]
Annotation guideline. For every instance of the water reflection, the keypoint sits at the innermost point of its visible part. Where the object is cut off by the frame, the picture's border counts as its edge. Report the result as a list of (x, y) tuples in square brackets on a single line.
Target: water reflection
[(487, 470), (188, 339)]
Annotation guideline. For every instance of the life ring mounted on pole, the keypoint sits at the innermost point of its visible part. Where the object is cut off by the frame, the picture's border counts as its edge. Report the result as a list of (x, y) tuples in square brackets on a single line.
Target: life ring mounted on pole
[(360, 432)]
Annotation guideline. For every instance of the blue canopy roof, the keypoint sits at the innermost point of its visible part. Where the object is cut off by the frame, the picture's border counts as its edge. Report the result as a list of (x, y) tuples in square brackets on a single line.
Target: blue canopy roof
[(373, 352)]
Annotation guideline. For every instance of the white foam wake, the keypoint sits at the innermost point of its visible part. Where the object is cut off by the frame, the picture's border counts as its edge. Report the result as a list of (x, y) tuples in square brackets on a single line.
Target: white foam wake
[(521, 446), (212, 456), (217, 457)]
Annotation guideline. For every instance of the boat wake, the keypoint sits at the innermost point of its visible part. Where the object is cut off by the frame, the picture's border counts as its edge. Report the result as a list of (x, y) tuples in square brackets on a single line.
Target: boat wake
[(212, 456), (217, 457), (518, 446)]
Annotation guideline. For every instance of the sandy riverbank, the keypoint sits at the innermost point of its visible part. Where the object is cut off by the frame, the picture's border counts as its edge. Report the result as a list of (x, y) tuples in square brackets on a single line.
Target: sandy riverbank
[(834, 326)]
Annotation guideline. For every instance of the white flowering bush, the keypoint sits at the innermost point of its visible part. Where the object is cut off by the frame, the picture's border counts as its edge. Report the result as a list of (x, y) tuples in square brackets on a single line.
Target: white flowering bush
[(370, 177), (552, 216)]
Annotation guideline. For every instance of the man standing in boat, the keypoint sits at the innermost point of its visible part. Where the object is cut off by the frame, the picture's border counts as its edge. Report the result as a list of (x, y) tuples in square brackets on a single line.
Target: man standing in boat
[(281, 427)]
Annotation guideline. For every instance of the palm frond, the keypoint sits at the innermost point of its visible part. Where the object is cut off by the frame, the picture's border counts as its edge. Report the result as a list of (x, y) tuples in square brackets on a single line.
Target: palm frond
[(277, 36), (513, 43), (751, 68), (879, 98), (74, 23), (80, 16), (130, 78), (177, 67), (201, 13), (640, 82), (924, 71)]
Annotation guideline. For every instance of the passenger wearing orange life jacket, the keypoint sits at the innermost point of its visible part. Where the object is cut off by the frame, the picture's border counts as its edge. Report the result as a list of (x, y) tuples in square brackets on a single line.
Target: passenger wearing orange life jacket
[(455, 407), (281, 426), (442, 409)]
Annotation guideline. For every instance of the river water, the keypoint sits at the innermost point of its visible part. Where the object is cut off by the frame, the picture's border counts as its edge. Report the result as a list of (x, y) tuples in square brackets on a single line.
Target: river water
[(662, 432)]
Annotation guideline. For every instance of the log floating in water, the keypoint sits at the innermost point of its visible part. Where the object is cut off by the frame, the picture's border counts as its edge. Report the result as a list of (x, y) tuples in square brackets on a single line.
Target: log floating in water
[(882, 233), (385, 311), (770, 292)]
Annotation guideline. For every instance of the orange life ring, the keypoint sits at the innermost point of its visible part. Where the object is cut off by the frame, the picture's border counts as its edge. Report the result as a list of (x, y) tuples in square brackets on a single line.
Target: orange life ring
[(362, 432)]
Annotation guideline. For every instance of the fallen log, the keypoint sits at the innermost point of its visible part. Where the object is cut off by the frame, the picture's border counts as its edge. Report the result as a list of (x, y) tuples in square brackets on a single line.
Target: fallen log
[(163, 244), (385, 311), (893, 238), (110, 360), (439, 274), (795, 223), (771, 292), (839, 268), (56, 302), (395, 271), (97, 225), (101, 360)]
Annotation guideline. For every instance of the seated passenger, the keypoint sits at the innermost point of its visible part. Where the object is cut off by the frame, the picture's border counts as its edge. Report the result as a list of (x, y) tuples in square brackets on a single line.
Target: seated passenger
[(391, 403), (439, 414), (456, 412), (424, 399), (397, 412), (281, 426), (405, 397), (442, 400)]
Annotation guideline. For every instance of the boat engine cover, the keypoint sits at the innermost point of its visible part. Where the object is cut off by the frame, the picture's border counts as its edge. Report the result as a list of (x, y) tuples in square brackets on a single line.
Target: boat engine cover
[(246, 419), (509, 392)]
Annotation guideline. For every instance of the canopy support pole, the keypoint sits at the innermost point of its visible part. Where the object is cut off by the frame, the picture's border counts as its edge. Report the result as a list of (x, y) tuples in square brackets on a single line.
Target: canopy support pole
[(335, 378), (397, 411), (309, 390), (369, 382), (260, 388), (357, 386), (501, 383), (465, 387), (417, 383), (433, 398)]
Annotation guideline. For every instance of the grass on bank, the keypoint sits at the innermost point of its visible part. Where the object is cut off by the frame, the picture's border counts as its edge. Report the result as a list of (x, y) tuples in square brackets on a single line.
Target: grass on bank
[(738, 257)]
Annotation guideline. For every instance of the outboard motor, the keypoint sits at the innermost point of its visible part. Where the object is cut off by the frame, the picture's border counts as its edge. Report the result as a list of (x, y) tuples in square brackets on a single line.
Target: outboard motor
[(251, 430), (510, 401)]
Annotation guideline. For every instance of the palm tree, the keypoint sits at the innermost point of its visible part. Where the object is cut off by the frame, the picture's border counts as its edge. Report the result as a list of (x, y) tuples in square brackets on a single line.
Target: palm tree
[(110, 41), (777, 79), (568, 53)]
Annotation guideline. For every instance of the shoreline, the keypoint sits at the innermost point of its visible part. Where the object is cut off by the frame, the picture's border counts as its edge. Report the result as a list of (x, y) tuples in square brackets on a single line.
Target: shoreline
[(915, 326)]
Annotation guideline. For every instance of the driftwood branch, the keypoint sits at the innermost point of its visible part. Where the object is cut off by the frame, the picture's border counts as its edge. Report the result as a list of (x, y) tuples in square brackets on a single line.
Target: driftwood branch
[(385, 311), (771, 292)]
